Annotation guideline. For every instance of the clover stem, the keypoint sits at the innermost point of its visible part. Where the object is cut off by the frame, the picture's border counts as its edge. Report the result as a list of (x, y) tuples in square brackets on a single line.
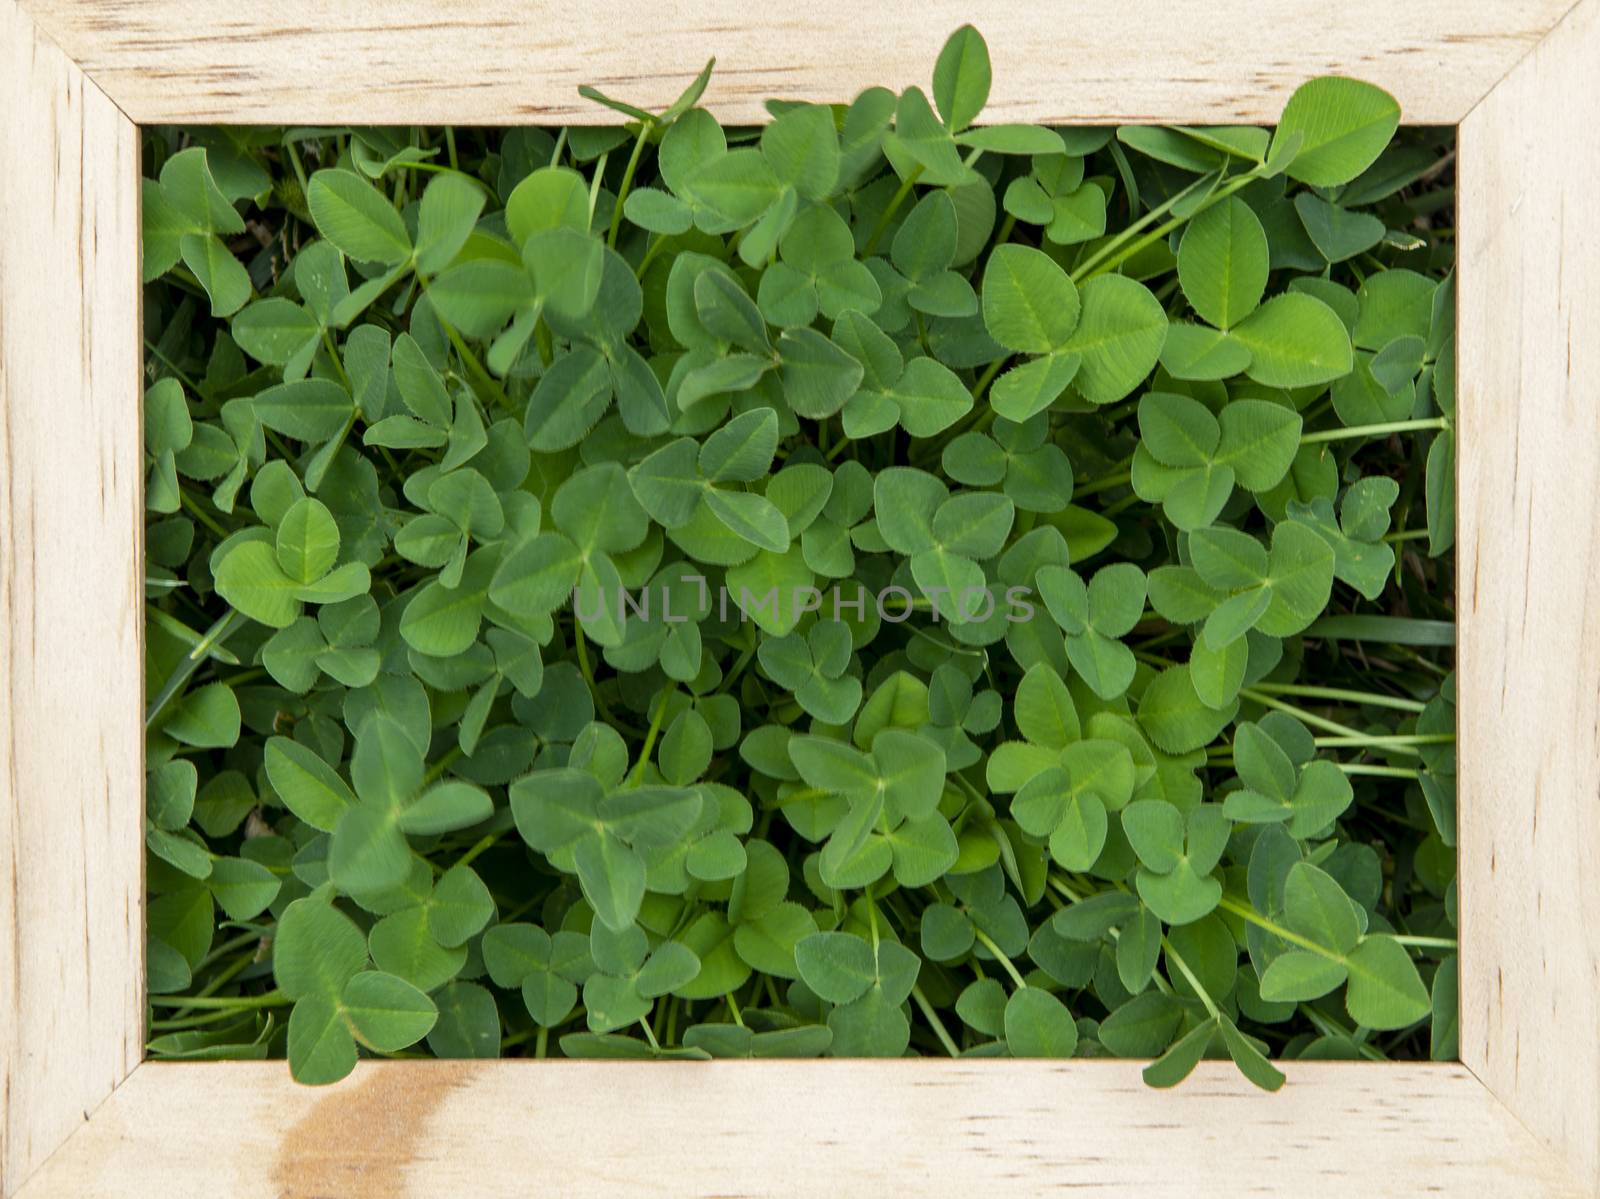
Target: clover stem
[(200, 514), (483, 843), (650, 1034), (1121, 505), (1176, 959), (934, 1022), (736, 669), (1398, 426), (672, 1020), (294, 162), (1425, 942), (215, 635), (219, 980), (171, 365), (1315, 721), (1061, 885), (988, 377), (893, 207), (1000, 956), (1105, 483), (450, 147), (1378, 742), (439, 767), (1006, 226), (541, 1044), (1248, 912), (338, 364), (1332, 1028), (582, 645), (189, 1022), (650, 736), (227, 947), (733, 1009), (627, 182), (240, 1002), (1354, 697), (470, 360), (650, 253), (1405, 535), (1388, 772), (1112, 254)]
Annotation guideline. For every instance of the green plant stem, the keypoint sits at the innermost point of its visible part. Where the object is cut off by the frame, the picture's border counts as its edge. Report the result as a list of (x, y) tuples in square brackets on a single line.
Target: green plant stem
[(654, 248), (338, 364), (650, 736), (171, 366), (1246, 911), (1398, 426), (1383, 742), (1121, 505), (443, 764), (1332, 1028), (736, 669), (1314, 720), (1176, 959), (1387, 772), (893, 207), (231, 1002), (1425, 942), (200, 1020), (479, 847), (470, 360), (1337, 693), (1121, 238), (1100, 265), (581, 643), (200, 514), (627, 182), (1106, 483), (219, 632), (1000, 956), (295, 164), (934, 1022)]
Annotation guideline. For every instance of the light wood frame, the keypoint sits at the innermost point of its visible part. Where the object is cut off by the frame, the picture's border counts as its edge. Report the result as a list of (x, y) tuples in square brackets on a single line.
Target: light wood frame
[(81, 1116)]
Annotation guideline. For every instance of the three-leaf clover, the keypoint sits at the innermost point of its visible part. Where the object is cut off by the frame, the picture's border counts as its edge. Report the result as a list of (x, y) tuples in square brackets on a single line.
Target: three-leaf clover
[(1177, 854), (1092, 617), (568, 815), (1281, 782), (1189, 458), (944, 536), (814, 668), (892, 818)]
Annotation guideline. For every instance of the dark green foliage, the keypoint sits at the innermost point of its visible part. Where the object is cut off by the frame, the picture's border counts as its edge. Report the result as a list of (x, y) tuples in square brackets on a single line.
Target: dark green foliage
[(1029, 642)]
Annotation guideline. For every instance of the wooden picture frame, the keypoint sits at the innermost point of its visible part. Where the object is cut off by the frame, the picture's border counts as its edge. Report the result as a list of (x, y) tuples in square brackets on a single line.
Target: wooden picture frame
[(82, 1115)]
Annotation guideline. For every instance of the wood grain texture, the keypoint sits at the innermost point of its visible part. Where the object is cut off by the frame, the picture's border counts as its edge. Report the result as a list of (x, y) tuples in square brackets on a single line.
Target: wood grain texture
[(910, 1127), (1529, 488), (71, 739), (489, 62)]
